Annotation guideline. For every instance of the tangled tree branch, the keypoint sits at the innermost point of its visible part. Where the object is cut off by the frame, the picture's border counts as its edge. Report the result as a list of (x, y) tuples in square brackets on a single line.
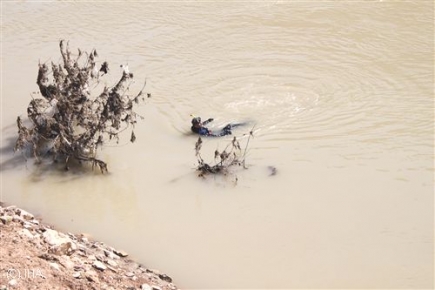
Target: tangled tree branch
[(71, 122), (232, 155)]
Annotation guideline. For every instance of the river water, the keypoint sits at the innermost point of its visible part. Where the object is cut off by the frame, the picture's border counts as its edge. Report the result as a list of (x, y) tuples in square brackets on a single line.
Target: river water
[(340, 95)]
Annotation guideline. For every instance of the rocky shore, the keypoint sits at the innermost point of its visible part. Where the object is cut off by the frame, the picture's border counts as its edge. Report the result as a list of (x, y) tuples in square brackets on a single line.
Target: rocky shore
[(34, 255)]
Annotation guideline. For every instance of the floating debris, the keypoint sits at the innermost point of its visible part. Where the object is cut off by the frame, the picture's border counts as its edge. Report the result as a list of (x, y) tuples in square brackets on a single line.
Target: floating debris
[(232, 155)]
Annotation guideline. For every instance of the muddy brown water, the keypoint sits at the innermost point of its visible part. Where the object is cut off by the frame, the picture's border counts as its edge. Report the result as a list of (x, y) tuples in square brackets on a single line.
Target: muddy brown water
[(341, 95)]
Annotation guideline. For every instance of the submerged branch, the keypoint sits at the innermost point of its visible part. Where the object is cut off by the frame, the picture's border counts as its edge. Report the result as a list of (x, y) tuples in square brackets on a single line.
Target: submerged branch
[(231, 156)]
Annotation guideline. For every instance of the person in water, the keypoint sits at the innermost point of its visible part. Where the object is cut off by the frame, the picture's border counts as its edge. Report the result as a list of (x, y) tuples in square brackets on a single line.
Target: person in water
[(198, 127)]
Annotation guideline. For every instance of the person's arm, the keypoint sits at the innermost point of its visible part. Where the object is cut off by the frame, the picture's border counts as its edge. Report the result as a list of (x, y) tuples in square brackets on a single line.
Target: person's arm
[(207, 121)]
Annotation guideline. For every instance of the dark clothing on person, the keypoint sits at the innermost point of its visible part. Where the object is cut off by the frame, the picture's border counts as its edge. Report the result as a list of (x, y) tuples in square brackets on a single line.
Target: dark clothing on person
[(198, 128), (201, 131)]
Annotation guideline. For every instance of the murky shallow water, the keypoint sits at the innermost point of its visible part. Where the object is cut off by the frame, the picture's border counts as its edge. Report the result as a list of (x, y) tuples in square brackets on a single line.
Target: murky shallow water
[(341, 95)]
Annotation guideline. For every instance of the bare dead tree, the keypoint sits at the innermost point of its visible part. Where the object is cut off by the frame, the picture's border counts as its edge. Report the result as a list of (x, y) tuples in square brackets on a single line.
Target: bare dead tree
[(67, 119)]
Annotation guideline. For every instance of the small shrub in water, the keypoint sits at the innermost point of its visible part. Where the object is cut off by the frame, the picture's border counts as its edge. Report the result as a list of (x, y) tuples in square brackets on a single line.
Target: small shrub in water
[(67, 119)]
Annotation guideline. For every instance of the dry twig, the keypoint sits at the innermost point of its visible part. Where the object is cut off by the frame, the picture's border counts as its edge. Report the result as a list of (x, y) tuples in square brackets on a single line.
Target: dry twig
[(231, 156)]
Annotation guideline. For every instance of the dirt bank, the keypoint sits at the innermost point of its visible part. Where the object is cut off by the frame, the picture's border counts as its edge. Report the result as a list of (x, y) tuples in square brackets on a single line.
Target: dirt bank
[(33, 255)]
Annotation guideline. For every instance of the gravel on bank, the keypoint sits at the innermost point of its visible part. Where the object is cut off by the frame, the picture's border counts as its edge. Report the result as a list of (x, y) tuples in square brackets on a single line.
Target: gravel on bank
[(34, 255)]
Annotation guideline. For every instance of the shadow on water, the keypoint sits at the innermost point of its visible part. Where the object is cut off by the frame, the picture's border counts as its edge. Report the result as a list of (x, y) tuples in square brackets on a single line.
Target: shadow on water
[(16, 160), (57, 169), (46, 167)]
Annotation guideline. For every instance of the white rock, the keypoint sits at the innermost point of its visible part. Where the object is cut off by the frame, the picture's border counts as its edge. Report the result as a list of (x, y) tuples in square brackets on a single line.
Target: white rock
[(145, 287), (98, 265), (63, 249), (24, 214), (100, 258), (66, 262), (121, 253), (54, 266), (82, 247), (13, 282), (17, 218), (111, 263), (61, 244), (110, 255), (27, 225), (54, 238), (73, 247), (129, 274), (112, 269), (5, 219), (26, 233)]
